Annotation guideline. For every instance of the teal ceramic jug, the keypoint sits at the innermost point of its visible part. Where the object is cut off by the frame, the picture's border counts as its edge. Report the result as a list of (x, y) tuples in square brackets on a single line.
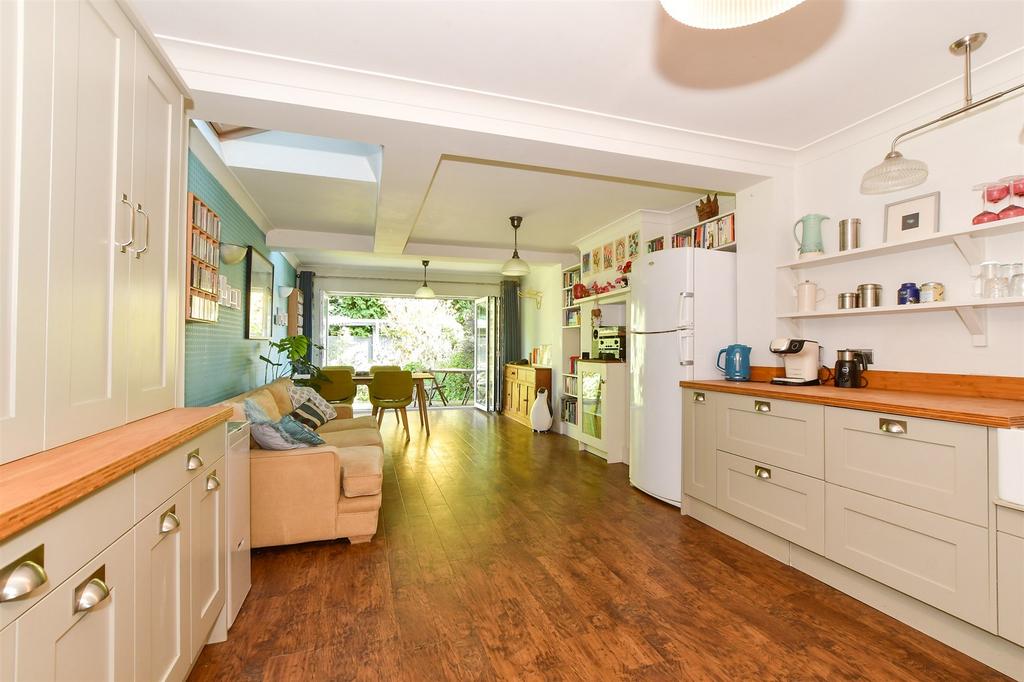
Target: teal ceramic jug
[(809, 239)]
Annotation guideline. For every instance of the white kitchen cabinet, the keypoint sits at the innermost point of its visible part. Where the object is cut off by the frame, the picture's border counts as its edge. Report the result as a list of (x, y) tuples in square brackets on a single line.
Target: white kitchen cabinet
[(163, 649), (208, 552), (26, 75), (83, 629), (239, 545), (699, 456), (603, 412)]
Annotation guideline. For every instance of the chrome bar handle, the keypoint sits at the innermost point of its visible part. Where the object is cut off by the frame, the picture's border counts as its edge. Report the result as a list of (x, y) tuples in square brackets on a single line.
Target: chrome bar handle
[(699, 397), (145, 215), (193, 461), (131, 225), (212, 482), (169, 521), (93, 592), (23, 576), (763, 473), (893, 426), (762, 406)]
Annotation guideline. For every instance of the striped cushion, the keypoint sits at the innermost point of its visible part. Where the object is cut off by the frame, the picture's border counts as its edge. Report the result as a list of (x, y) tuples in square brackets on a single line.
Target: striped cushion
[(309, 414)]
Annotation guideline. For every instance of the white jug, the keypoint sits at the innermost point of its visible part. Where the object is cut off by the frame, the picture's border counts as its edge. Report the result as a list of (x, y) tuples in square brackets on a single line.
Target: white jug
[(808, 296)]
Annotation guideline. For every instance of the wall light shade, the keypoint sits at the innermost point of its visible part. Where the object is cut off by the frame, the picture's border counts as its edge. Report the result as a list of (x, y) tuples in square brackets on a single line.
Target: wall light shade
[(285, 291), (721, 14), (515, 267), (894, 173), (232, 254)]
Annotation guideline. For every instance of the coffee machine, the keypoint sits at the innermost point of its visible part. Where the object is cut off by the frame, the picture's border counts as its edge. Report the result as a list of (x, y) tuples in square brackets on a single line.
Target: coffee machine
[(849, 365), (801, 360)]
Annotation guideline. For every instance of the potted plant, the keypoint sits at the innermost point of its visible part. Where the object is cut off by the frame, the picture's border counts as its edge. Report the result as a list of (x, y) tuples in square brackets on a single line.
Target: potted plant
[(290, 360)]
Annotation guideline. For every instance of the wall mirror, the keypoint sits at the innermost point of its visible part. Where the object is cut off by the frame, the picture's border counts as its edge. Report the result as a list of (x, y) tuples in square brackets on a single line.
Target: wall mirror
[(260, 305)]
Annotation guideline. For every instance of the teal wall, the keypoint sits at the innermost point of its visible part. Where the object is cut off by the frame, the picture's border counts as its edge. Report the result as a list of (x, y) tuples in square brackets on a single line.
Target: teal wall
[(219, 361)]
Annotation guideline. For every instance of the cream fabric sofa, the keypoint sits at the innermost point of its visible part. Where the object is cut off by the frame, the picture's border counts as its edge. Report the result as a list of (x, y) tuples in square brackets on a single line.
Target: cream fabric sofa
[(321, 492)]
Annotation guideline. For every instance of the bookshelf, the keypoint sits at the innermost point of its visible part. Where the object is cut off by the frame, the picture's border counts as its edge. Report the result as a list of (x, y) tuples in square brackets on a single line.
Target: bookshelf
[(295, 318), (718, 233), (201, 293), (570, 308), (571, 319)]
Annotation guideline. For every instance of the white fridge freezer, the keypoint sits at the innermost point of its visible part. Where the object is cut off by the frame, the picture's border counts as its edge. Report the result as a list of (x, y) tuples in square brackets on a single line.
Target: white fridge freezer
[(682, 311)]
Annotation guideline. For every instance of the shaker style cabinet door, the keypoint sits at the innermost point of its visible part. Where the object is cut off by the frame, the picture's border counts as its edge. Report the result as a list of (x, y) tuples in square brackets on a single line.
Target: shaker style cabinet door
[(26, 92), (163, 645), (699, 457), (82, 630), (155, 255), (207, 552), (88, 294)]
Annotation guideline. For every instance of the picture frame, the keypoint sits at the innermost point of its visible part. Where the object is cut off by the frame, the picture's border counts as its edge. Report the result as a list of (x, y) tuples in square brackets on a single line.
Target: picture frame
[(911, 219), (235, 298), (260, 298), (585, 264), (595, 259), (633, 247), (620, 251), (608, 256)]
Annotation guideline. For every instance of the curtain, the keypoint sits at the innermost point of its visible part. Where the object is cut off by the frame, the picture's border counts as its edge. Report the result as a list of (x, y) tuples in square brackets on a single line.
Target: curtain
[(509, 335), (306, 287)]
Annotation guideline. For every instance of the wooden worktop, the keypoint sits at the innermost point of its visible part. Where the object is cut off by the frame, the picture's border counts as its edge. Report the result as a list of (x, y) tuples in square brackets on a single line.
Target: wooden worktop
[(997, 412), (40, 485)]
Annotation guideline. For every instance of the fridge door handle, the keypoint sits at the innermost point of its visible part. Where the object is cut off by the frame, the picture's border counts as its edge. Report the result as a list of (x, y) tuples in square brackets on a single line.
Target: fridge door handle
[(685, 349), (685, 321)]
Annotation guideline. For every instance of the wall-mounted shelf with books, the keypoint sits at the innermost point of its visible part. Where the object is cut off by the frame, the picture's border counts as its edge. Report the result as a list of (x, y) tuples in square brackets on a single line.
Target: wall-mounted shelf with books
[(718, 233), (202, 287)]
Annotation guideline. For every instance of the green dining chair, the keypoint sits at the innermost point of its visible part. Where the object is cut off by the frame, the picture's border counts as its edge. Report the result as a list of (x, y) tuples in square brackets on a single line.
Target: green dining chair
[(340, 388), (383, 368), (392, 390)]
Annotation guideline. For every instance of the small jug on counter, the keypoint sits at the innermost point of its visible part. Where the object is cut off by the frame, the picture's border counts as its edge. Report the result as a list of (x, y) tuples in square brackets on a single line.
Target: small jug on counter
[(737, 362)]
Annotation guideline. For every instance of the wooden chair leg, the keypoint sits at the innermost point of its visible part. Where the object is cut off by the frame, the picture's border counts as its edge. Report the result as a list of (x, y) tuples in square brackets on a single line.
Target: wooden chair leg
[(380, 417), (374, 411), (405, 423)]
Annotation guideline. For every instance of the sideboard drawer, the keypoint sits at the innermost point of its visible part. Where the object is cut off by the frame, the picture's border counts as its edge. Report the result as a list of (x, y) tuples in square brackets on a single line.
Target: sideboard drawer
[(934, 465), (166, 475), (941, 561), (778, 432), (1010, 577), (789, 505), (70, 538)]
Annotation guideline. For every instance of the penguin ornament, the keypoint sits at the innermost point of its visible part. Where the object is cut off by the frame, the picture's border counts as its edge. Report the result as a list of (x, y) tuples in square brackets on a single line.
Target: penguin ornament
[(540, 413)]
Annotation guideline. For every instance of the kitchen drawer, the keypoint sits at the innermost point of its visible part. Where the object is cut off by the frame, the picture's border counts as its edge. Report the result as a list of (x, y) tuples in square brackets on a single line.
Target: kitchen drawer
[(1010, 577), (69, 539), (934, 465), (779, 433), (787, 504), (941, 561), (166, 475), (1010, 521)]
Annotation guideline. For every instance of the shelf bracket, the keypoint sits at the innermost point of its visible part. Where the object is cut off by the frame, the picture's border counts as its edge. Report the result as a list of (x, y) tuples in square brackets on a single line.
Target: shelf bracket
[(969, 249), (974, 320)]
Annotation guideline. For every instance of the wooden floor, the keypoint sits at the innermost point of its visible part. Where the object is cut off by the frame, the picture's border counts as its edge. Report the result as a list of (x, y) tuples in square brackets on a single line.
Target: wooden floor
[(504, 554)]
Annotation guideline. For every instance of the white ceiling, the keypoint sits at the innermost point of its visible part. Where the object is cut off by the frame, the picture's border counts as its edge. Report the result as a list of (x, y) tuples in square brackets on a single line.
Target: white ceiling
[(788, 82)]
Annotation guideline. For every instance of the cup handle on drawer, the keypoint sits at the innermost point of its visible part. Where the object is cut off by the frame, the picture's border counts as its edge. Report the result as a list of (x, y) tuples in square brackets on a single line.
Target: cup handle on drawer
[(92, 592), (23, 576), (762, 406), (764, 473), (699, 397), (169, 522), (893, 426), (193, 461), (213, 482)]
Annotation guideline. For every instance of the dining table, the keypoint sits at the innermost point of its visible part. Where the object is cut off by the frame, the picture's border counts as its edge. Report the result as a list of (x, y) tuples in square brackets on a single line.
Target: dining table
[(419, 380)]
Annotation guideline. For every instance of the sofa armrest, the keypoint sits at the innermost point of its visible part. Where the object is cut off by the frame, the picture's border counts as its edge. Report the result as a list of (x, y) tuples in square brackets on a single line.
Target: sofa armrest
[(294, 494)]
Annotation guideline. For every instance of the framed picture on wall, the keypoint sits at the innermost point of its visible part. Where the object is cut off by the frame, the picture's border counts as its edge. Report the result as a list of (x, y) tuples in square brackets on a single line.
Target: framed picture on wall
[(259, 307), (608, 256), (585, 264), (633, 247), (595, 259), (620, 250), (911, 219)]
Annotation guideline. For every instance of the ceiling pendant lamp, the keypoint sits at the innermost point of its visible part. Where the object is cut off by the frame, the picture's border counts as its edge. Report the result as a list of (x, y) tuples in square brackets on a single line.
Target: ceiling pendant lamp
[(515, 266), (896, 172), (424, 291), (721, 14)]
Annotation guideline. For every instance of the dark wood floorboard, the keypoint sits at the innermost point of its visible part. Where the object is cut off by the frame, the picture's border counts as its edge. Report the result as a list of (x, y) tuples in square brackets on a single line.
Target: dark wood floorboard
[(504, 554)]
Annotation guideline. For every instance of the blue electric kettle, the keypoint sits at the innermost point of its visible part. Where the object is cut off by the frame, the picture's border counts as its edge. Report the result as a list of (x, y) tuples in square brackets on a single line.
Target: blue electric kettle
[(737, 362)]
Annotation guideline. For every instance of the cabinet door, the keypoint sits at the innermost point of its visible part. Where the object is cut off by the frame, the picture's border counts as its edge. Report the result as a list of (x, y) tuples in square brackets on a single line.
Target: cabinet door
[(207, 555), (83, 629), (163, 647), (92, 142), (699, 464), (26, 78), (155, 262), (1010, 577)]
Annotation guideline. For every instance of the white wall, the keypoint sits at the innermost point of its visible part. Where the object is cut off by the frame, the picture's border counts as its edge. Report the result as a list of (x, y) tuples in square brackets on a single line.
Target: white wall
[(544, 326)]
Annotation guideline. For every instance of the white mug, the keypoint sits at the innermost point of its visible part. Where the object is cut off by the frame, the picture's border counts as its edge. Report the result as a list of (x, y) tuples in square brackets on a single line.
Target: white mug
[(808, 296)]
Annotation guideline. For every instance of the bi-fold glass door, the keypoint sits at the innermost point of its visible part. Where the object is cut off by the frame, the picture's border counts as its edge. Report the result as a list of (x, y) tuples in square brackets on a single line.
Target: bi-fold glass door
[(485, 331)]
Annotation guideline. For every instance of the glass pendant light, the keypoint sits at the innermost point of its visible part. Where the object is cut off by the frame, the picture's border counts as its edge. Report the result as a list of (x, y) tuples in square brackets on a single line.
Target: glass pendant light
[(515, 266), (719, 14), (896, 172), (424, 291)]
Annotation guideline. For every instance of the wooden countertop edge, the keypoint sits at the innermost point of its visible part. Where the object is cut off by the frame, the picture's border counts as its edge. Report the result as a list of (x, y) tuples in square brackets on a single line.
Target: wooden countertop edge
[(1000, 502), (978, 418), (18, 516)]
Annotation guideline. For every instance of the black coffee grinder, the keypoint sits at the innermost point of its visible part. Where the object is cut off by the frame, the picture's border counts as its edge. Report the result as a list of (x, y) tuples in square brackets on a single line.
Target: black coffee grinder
[(849, 366)]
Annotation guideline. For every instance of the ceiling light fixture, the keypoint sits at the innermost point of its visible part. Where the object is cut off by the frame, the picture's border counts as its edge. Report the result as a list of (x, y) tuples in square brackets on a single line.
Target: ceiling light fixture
[(515, 266), (424, 291), (721, 14), (896, 172)]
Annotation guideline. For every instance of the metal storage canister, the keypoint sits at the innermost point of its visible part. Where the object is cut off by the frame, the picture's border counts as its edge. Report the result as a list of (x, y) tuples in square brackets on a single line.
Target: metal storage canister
[(932, 292), (849, 234), (849, 300), (869, 295)]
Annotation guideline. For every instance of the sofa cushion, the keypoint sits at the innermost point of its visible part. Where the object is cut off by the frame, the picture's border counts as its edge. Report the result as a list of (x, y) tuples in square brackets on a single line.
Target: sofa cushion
[(352, 438), (361, 470), (342, 424), (301, 394), (278, 390), (298, 431), (266, 402), (310, 415)]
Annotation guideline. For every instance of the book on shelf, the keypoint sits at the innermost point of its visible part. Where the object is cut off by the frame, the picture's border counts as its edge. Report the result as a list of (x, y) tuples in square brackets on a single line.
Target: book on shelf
[(569, 409), (571, 317), (570, 385), (570, 278), (204, 279), (204, 249), (708, 235), (656, 244), (205, 219), (202, 308)]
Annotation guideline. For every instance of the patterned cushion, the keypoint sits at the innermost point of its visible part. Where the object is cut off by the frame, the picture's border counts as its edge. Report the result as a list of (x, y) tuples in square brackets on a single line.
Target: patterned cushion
[(299, 432), (286, 434), (269, 437), (310, 415), (303, 394)]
